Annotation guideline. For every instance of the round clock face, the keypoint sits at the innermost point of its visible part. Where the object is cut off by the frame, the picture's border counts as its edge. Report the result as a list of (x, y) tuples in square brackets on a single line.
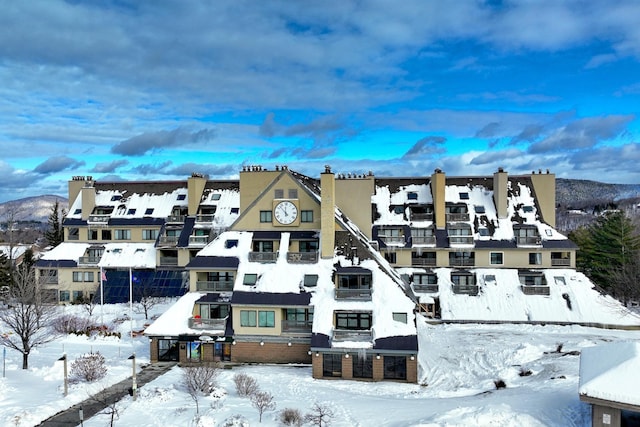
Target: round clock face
[(285, 212)]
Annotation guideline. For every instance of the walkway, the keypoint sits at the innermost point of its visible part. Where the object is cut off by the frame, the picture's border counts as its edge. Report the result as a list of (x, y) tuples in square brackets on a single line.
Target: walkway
[(107, 397)]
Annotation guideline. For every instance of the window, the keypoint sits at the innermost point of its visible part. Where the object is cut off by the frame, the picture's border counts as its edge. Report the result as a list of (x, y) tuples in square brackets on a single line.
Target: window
[(533, 280), (263, 246), (527, 209), (353, 321), (363, 366), (266, 216), (497, 258), (235, 210), (354, 281), (64, 296), (77, 296), (116, 197), (83, 276), (299, 315), (399, 210), (49, 277), (559, 280), (463, 279), (123, 234), (232, 243), (293, 193), (248, 318), (250, 279), (149, 234), (535, 258), (92, 234), (308, 246), (77, 212), (278, 193), (412, 195), (464, 196), (106, 234), (182, 196), (425, 279), (391, 257), (131, 211), (479, 209), (215, 196), (74, 233), (306, 216), (149, 211), (332, 365), (214, 311), (266, 319), (395, 367), (400, 317), (483, 231), (310, 280)]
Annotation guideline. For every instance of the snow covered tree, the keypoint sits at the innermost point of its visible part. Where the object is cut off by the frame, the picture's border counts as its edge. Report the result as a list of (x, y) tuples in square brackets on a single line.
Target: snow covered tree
[(55, 231)]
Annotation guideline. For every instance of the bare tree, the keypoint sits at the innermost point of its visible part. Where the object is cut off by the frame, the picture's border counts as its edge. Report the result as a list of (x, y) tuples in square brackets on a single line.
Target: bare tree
[(625, 283), (199, 380), (28, 317), (263, 401), (246, 385), (320, 415)]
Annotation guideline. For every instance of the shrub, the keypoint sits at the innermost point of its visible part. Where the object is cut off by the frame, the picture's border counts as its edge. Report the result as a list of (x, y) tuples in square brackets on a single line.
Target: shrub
[(500, 384), (245, 385), (320, 415), (263, 401), (525, 372), (90, 367), (291, 417)]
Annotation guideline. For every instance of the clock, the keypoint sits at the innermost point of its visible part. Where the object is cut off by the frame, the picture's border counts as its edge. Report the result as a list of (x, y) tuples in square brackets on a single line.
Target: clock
[(285, 212)]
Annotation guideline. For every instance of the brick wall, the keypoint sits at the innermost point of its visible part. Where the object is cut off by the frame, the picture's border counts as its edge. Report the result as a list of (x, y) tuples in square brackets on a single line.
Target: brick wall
[(253, 352)]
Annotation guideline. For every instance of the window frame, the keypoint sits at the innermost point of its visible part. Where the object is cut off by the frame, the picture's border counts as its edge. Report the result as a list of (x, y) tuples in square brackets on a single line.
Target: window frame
[(266, 216), (248, 319), (266, 319)]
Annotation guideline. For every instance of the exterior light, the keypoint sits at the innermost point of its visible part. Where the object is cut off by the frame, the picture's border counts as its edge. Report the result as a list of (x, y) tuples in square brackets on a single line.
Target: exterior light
[(234, 342), (412, 357), (289, 344), (261, 342), (378, 356), (317, 354), (346, 356)]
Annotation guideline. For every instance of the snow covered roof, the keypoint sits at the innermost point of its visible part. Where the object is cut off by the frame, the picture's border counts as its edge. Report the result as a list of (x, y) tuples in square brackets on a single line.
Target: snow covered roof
[(175, 320), (611, 372), (128, 255), (18, 250)]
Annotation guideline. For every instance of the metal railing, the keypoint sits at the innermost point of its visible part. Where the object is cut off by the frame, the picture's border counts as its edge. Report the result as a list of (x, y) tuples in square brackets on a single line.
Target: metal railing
[(421, 216), (168, 240), (465, 289), (353, 294), (460, 240), (266, 257), (560, 262), (423, 261), (294, 326), (453, 217), (535, 290), (198, 240), (302, 257), (529, 240), (89, 260), (99, 219), (205, 218), (175, 219), (462, 262), (198, 323), (391, 239), (169, 260), (214, 285), (352, 335), (423, 240), (419, 287)]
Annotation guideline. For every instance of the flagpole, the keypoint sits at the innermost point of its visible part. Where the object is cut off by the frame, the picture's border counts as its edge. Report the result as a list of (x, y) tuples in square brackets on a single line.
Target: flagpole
[(131, 301), (101, 295)]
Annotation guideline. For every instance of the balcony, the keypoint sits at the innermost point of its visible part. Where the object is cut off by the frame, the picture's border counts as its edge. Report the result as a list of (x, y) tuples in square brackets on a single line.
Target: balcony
[(391, 240), (419, 287), (198, 323), (456, 217), (168, 240), (175, 219), (535, 290), (560, 262), (429, 262), (460, 240), (198, 240), (421, 216), (423, 240), (88, 260), (204, 218), (264, 257), (341, 335), (528, 240), (462, 262), (169, 261), (214, 285), (465, 289), (353, 294), (302, 257), (292, 326), (101, 219)]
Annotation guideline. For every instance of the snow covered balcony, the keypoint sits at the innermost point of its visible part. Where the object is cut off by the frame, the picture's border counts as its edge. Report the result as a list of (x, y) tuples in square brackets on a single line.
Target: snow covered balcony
[(527, 235), (196, 322), (456, 212), (214, 285), (464, 283), (302, 257), (533, 283), (99, 219), (263, 257), (353, 326), (353, 283)]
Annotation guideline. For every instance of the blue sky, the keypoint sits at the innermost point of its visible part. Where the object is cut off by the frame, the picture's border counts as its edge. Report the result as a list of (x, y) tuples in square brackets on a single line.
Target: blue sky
[(130, 90)]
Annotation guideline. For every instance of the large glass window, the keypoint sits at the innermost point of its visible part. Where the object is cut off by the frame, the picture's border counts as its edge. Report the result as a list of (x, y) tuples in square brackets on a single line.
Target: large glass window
[(74, 233), (395, 367), (266, 216), (354, 321), (123, 234), (149, 234), (248, 318), (266, 319), (425, 279), (83, 276), (308, 246), (354, 281), (64, 296), (535, 258), (362, 366), (106, 234), (497, 258), (214, 311), (332, 365), (263, 246), (306, 216)]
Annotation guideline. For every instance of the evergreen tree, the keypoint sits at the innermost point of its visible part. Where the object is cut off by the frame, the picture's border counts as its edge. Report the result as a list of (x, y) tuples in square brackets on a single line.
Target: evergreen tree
[(55, 232), (5, 270), (607, 246)]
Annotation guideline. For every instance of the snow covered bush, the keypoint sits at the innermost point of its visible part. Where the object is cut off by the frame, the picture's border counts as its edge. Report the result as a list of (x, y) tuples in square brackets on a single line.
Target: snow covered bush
[(90, 367), (245, 385), (291, 417)]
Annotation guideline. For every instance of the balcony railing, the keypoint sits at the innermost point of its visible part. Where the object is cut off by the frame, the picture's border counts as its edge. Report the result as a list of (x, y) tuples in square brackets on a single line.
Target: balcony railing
[(293, 326), (462, 262), (465, 289), (535, 290), (99, 219), (560, 262), (49, 280), (423, 240), (168, 240), (198, 240), (214, 285), (175, 219), (88, 260), (421, 216), (529, 241), (461, 240), (392, 240), (169, 261), (302, 257), (353, 294), (419, 287), (453, 217), (266, 257), (198, 323), (204, 218), (423, 261), (352, 335)]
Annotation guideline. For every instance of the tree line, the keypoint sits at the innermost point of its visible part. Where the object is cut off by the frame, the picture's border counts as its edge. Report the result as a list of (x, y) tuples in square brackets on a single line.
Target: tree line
[(609, 254)]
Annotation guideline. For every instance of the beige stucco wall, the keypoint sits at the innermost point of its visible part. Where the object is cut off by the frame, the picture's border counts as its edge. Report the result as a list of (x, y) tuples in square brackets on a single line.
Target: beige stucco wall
[(243, 330), (353, 197)]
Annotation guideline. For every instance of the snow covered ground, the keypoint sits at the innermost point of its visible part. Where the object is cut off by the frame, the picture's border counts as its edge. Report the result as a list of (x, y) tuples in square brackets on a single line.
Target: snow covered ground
[(459, 365)]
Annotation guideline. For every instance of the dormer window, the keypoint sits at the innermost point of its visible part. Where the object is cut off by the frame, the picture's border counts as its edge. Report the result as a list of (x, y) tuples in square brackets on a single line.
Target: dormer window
[(479, 209), (527, 235), (77, 212), (483, 231), (412, 195), (182, 196), (215, 196), (250, 279), (310, 280), (116, 197), (460, 234), (464, 196), (131, 212), (149, 211), (527, 209)]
